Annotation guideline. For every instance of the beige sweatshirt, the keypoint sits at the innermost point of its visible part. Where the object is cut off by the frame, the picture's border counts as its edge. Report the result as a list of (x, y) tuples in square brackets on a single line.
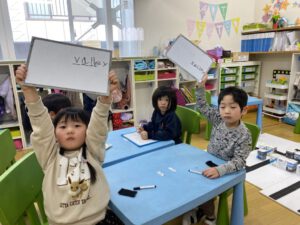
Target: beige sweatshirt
[(66, 201)]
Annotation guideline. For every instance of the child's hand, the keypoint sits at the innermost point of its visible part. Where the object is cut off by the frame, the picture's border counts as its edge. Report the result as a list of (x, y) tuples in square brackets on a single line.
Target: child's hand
[(144, 135), (139, 129), (203, 81), (114, 85), (29, 92), (211, 173)]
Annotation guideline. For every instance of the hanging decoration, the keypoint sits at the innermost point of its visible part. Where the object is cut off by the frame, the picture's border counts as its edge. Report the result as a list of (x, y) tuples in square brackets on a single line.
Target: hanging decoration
[(200, 28), (213, 11), (209, 27), (223, 10), (190, 27), (203, 9)]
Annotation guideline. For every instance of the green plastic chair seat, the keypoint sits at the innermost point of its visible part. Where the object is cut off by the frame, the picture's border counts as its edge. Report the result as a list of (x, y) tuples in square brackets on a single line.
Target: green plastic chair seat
[(7, 150), (190, 122), (21, 193)]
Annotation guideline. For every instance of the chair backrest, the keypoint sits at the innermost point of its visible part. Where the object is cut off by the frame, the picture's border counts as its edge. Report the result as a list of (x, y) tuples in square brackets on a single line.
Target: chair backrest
[(7, 150), (255, 131), (190, 122), (20, 188)]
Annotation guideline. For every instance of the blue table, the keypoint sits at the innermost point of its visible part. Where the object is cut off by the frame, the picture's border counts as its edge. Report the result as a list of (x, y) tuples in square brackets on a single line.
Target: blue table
[(178, 190), (122, 149), (251, 101)]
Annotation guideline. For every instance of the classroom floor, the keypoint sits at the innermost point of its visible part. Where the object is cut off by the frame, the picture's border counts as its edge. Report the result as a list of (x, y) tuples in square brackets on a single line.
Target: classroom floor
[(261, 210)]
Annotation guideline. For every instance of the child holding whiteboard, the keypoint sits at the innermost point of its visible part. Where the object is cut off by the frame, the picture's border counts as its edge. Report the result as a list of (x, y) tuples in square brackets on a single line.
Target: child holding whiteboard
[(70, 151), (230, 139), (164, 124)]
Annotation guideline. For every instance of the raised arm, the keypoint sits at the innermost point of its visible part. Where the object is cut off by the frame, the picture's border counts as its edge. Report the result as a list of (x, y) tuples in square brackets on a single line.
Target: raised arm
[(97, 129), (43, 138), (210, 112)]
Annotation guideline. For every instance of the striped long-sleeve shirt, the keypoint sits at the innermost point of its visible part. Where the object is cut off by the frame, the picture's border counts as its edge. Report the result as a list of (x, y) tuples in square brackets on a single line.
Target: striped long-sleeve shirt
[(230, 144)]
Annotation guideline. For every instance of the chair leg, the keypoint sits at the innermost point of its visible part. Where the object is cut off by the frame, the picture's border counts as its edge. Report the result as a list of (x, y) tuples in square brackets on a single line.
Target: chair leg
[(208, 130), (245, 202), (223, 216)]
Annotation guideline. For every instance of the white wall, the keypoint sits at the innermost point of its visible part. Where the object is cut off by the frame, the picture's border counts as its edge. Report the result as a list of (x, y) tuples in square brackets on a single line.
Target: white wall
[(165, 19)]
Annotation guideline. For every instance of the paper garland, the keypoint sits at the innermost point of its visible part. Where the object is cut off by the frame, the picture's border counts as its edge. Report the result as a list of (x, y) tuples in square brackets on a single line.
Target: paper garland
[(200, 26)]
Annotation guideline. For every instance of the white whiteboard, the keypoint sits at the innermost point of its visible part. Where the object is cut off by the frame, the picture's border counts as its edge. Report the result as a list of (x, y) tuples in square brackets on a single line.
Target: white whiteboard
[(190, 57), (67, 66)]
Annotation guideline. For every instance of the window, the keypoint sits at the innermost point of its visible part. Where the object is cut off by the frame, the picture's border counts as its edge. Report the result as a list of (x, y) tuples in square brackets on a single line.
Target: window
[(88, 22)]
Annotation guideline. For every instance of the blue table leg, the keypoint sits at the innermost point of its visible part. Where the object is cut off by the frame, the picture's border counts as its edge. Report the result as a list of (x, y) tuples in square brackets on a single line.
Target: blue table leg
[(259, 115), (237, 210)]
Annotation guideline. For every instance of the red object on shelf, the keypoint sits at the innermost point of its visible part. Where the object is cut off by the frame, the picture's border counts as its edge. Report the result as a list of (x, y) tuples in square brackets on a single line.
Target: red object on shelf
[(166, 75), (18, 143)]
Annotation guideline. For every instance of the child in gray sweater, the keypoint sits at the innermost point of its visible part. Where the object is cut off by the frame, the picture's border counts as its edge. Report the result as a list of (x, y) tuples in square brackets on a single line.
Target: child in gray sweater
[(230, 139)]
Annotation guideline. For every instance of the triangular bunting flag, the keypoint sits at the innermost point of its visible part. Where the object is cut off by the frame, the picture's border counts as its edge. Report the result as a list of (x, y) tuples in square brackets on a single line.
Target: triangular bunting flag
[(190, 27), (213, 11), (223, 10), (200, 28), (209, 29), (219, 28), (236, 24), (227, 26), (203, 9)]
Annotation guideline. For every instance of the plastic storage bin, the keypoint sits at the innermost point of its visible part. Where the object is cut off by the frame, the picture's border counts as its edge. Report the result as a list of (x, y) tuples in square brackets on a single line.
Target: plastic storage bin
[(228, 78), (229, 84), (229, 70), (248, 76)]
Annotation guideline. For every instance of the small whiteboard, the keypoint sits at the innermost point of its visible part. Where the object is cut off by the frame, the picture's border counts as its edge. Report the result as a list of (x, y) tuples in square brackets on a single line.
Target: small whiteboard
[(67, 66), (135, 138), (189, 57)]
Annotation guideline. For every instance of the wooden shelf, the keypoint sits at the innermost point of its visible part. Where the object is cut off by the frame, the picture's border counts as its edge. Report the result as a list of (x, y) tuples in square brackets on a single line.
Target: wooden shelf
[(272, 30), (273, 53)]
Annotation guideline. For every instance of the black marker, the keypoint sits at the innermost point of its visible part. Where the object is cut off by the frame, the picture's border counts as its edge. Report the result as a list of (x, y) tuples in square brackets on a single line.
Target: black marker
[(144, 187)]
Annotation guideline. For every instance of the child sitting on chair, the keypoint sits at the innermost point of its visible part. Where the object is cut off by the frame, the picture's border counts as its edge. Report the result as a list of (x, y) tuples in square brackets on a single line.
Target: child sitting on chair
[(164, 124), (71, 151), (230, 138)]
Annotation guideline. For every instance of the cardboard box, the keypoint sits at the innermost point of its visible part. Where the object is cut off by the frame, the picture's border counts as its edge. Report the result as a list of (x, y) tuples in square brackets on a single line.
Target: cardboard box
[(240, 56)]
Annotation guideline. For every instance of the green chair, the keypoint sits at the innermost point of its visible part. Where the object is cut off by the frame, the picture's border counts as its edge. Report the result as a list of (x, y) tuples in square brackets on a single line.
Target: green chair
[(7, 150), (208, 126), (20, 188), (297, 126), (190, 123), (223, 214)]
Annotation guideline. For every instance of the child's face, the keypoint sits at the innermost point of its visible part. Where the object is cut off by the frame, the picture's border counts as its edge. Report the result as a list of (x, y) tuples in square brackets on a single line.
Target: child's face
[(230, 111), (70, 134), (163, 104)]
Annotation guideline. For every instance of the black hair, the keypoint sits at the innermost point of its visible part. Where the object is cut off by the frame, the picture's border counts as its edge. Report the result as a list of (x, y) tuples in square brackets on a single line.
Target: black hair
[(165, 91), (56, 102), (239, 96), (79, 115)]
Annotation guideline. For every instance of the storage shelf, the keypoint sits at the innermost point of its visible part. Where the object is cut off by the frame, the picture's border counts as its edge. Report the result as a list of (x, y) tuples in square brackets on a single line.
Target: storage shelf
[(166, 69), (292, 28), (272, 110), (121, 110), (278, 86), (9, 125), (167, 79), (276, 97)]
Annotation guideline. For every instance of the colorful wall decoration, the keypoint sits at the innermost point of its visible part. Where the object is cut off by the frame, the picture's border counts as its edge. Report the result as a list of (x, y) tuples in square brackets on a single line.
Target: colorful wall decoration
[(203, 25), (278, 5)]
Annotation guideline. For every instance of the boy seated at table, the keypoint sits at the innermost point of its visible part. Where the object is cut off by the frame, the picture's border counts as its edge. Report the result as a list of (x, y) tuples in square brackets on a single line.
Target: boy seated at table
[(230, 139)]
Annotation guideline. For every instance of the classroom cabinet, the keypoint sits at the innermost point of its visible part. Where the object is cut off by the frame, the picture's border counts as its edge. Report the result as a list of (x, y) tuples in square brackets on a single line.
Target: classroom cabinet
[(245, 75), (10, 110)]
